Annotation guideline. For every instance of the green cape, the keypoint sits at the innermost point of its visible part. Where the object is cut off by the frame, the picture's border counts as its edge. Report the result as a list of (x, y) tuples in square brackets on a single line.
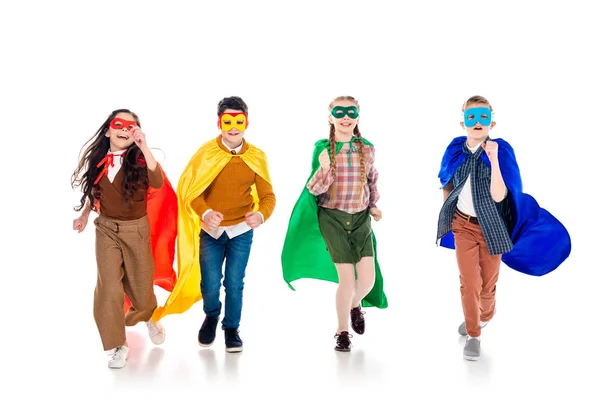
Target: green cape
[(304, 252)]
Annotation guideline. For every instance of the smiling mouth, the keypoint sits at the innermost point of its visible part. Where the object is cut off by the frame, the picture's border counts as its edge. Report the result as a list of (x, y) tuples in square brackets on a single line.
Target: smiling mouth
[(124, 137), (478, 128)]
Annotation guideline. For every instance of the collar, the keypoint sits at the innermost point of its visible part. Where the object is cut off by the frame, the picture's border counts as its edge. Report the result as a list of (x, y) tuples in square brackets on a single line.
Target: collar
[(238, 150)]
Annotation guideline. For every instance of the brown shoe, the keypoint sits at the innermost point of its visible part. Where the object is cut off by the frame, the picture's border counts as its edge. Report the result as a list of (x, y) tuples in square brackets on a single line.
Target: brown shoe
[(343, 341), (357, 320)]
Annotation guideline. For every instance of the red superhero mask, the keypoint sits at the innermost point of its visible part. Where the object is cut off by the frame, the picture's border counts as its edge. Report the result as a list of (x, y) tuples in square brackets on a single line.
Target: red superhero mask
[(120, 123)]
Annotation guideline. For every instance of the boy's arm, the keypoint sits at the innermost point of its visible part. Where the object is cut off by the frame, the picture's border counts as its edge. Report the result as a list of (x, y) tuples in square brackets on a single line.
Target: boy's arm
[(199, 206), (266, 198), (497, 186), (448, 189)]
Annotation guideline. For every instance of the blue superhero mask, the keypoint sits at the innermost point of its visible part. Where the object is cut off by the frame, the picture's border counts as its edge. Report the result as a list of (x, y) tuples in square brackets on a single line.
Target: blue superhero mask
[(482, 115)]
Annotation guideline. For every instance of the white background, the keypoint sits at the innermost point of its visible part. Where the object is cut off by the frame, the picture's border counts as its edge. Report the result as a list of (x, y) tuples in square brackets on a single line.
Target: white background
[(66, 65)]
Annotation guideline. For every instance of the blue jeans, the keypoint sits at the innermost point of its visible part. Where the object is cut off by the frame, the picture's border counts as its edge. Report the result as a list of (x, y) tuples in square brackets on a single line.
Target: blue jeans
[(212, 254)]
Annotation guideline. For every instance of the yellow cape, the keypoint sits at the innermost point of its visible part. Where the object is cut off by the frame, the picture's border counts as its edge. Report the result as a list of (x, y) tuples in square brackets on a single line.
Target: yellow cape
[(200, 172)]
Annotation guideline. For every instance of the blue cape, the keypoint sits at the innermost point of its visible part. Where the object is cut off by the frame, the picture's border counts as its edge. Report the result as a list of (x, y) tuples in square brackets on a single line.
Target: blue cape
[(541, 242)]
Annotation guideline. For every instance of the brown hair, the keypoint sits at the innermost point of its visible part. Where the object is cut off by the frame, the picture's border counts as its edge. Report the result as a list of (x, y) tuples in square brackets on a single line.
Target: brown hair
[(359, 144), (93, 151), (476, 100)]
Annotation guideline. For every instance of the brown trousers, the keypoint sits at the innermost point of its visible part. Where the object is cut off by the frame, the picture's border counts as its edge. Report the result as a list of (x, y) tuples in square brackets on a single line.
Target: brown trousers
[(125, 266), (478, 274)]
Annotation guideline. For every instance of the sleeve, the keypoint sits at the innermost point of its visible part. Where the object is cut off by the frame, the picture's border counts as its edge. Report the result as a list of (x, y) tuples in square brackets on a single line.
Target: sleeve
[(266, 197), (320, 182), (155, 178), (199, 206)]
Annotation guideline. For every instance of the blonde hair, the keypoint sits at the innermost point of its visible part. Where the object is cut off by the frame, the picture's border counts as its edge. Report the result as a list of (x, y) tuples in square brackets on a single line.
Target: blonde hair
[(359, 144), (476, 100)]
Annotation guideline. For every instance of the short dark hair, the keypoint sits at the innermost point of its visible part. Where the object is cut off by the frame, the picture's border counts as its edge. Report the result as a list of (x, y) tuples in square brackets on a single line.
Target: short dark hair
[(233, 103)]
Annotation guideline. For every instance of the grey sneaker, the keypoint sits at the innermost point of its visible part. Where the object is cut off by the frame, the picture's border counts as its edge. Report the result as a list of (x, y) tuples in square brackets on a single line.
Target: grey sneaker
[(472, 350)]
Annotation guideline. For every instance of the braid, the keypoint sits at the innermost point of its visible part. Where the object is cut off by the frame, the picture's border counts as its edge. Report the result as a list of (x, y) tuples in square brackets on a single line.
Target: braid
[(333, 158), (361, 156)]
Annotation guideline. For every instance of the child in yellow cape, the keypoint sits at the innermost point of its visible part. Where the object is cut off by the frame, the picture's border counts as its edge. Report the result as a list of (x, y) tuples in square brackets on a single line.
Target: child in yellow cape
[(224, 193)]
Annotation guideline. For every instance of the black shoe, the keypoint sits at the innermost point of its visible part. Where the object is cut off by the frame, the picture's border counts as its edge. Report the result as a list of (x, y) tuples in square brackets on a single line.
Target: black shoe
[(343, 341), (208, 332), (233, 343), (357, 320)]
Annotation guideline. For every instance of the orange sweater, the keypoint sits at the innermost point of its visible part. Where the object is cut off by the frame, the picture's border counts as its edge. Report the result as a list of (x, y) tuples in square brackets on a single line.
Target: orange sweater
[(229, 193)]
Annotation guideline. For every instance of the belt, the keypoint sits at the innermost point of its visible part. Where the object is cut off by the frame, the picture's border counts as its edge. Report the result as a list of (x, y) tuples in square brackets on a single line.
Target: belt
[(469, 218)]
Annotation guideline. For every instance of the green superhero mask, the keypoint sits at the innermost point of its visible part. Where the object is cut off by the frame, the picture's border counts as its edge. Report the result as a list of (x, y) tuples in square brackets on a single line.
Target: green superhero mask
[(341, 112)]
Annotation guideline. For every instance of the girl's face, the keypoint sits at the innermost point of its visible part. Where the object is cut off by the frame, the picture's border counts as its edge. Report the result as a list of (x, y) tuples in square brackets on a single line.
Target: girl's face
[(120, 131), (344, 119), (478, 131)]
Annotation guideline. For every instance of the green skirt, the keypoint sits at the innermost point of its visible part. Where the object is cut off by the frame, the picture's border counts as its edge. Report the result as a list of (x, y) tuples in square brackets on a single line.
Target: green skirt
[(347, 236)]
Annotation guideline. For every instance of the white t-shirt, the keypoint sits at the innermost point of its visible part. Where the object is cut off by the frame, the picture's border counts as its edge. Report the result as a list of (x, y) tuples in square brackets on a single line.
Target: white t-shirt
[(465, 197)]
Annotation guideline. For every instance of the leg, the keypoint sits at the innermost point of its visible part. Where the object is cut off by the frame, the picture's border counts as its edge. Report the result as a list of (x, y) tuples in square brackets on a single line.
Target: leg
[(237, 254), (467, 256), (365, 269), (109, 294), (212, 254), (344, 294), (490, 269), (139, 271)]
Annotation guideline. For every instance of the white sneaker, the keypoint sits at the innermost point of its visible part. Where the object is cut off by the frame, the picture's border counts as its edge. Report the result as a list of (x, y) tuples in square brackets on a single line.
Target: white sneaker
[(118, 358), (156, 332)]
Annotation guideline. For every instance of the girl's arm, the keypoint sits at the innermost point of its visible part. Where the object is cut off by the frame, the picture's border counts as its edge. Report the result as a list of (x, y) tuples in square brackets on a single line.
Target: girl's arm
[(323, 178), (80, 223)]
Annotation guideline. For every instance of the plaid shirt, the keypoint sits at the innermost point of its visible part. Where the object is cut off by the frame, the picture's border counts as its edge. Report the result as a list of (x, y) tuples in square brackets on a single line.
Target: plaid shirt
[(488, 212), (347, 182)]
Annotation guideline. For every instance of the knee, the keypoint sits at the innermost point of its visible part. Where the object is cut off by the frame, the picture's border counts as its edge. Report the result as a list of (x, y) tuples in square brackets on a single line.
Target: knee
[(108, 293), (346, 284), (473, 288), (210, 285), (366, 280), (233, 285)]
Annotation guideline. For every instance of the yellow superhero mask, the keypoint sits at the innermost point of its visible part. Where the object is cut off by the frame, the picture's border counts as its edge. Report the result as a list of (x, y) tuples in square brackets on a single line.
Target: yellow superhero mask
[(228, 121)]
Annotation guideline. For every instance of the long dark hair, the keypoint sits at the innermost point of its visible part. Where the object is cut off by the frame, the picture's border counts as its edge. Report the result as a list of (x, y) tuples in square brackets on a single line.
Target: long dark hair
[(93, 151)]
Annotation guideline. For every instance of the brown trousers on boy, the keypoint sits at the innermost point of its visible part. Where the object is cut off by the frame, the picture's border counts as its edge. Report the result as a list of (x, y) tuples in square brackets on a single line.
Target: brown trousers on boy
[(125, 266), (478, 273)]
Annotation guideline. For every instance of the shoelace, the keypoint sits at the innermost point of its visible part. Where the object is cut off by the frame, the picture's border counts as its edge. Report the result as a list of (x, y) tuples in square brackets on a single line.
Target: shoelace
[(234, 335), (118, 353), (357, 312), (343, 339)]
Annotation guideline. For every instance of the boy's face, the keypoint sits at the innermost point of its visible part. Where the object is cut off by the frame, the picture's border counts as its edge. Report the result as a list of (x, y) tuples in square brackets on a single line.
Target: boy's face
[(232, 124), (477, 121)]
